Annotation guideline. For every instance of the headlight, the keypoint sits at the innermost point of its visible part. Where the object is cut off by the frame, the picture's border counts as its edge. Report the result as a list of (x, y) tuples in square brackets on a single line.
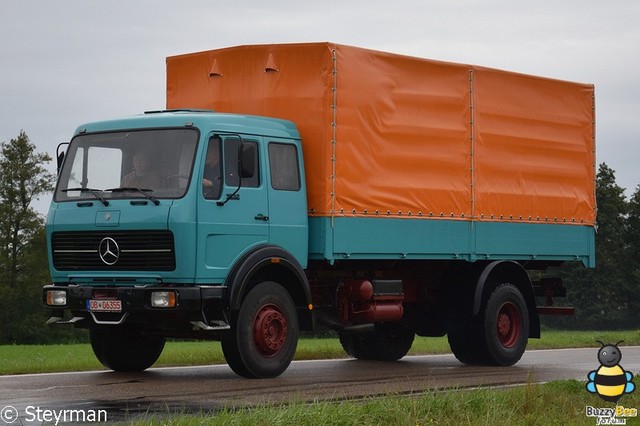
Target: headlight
[(56, 298), (163, 299)]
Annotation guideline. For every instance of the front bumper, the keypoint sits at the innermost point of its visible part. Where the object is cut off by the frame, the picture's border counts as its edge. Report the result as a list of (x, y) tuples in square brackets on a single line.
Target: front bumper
[(196, 309)]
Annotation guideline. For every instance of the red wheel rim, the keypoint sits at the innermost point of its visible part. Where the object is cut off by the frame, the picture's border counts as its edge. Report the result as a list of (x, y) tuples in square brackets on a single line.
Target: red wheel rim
[(509, 325), (269, 330)]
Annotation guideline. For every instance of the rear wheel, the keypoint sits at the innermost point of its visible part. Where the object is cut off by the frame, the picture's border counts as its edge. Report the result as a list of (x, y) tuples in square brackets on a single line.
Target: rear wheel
[(506, 322), (388, 342), (464, 340), (498, 335), (264, 334), (125, 350)]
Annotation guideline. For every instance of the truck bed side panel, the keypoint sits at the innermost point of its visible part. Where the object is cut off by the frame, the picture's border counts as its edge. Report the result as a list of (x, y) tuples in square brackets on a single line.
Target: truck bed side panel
[(393, 238)]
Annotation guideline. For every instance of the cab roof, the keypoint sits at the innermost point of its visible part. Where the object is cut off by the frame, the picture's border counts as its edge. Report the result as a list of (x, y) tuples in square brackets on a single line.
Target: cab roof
[(205, 120)]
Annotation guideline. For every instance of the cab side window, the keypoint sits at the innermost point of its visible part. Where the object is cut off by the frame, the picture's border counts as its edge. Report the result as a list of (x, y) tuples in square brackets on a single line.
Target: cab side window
[(283, 164)]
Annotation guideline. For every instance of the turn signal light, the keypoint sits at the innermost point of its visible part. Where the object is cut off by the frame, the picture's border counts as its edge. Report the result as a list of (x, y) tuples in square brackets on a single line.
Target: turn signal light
[(163, 299), (56, 298)]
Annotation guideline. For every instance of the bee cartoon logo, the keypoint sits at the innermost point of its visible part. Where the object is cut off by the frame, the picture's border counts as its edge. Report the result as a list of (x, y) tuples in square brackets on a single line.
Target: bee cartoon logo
[(610, 381)]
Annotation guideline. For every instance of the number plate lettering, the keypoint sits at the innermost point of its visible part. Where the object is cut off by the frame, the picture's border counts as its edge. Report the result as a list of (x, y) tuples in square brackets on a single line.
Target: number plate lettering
[(104, 305)]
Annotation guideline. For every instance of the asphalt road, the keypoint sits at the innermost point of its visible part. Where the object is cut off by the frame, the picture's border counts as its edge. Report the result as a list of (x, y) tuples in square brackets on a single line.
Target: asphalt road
[(194, 389)]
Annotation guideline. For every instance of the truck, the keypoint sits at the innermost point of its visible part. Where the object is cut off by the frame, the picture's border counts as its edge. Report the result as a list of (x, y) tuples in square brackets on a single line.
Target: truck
[(287, 188)]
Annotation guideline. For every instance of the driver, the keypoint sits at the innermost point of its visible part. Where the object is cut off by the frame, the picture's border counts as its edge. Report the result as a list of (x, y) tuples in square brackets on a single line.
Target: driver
[(212, 179), (142, 176)]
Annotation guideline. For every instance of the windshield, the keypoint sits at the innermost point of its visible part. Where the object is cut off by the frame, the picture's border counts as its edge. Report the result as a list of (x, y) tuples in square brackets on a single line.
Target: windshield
[(148, 164)]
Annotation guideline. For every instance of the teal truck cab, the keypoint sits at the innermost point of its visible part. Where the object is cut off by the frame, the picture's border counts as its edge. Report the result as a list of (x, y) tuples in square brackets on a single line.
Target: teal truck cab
[(382, 205), (182, 235)]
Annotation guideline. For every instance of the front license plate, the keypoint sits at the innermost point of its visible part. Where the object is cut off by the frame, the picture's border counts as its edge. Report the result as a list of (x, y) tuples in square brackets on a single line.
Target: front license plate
[(104, 305)]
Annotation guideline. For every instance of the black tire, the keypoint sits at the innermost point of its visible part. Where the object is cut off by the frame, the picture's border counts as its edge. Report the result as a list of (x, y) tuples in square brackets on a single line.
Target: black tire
[(389, 342), (125, 350), (464, 341), (498, 335), (506, 325), (264, 333)]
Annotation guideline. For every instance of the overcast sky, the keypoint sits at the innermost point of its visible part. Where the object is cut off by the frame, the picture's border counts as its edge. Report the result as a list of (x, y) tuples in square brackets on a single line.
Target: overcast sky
[(65, 62)]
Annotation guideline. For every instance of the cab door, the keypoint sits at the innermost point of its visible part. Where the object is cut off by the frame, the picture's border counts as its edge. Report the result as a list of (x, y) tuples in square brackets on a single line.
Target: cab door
[(288, 223), (233, 210)]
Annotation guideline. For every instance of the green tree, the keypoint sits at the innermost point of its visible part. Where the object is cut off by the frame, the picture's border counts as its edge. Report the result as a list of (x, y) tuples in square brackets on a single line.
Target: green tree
[(23, 178), (633, 225), (604, 297), (633, 246), (23, 266)]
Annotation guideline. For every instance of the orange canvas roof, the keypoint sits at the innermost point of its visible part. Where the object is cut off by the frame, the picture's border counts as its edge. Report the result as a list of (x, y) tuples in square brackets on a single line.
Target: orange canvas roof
[(392, 135)]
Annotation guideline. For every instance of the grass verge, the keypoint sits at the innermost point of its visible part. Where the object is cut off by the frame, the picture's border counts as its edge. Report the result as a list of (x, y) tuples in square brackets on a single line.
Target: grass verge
[(21, 359), (556, 403)]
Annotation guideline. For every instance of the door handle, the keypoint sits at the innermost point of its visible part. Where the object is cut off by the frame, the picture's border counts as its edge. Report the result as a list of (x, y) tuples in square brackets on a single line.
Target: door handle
[(261, 217)]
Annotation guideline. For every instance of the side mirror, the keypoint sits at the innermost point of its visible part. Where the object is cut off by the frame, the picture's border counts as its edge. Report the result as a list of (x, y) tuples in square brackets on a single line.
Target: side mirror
[(246, 163), (60, 151)]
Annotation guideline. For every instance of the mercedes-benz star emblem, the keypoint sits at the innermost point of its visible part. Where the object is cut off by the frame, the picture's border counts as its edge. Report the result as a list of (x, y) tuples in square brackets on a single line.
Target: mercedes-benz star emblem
[(109, 251)]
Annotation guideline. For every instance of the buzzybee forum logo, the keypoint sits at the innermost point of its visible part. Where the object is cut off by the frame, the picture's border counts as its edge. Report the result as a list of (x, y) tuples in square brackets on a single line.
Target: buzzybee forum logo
[(610, 382)]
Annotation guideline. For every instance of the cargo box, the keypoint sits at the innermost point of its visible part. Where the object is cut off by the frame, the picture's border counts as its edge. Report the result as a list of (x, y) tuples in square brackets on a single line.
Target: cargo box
[(393, 136)]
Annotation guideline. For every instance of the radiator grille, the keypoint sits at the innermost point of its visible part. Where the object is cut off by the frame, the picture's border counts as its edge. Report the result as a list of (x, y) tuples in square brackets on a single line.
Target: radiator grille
[(119, 250)]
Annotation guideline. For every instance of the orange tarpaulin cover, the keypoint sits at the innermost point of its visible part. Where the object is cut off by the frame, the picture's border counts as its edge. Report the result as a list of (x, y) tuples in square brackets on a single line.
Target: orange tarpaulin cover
[(392, 135)]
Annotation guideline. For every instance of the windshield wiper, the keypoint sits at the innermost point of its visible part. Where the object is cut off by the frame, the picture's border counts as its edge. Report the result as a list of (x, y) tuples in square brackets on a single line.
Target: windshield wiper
[(95, 192), (143, 191)]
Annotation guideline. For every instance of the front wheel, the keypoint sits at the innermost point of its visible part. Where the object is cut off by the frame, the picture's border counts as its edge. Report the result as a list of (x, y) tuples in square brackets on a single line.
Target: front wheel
[(264, 334), (125, 350)]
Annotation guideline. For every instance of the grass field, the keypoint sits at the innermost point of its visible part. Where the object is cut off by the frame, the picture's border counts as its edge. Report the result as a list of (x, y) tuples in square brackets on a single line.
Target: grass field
[(19, 359), (556, 403)]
